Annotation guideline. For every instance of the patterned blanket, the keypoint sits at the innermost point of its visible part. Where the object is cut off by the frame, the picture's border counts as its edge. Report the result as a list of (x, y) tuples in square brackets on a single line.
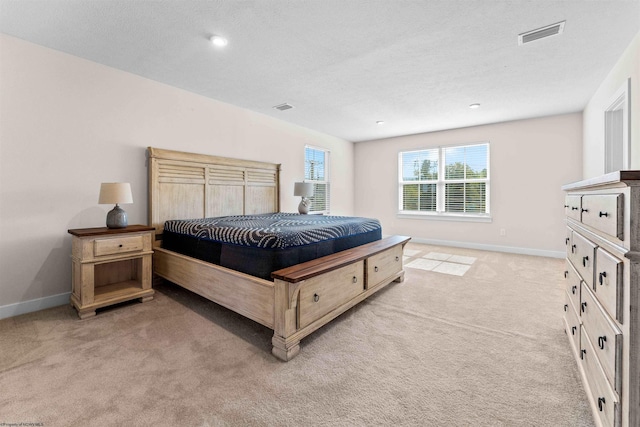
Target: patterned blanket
[(273, 231)]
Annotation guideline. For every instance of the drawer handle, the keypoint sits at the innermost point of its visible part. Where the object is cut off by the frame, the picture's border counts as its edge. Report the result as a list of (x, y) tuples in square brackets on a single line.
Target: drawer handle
[(585, 259), (601, 341), (397, 258), (566, 241), (601, 214), (573, 330), (582, 353), (573, 208), (119, 246), (583, 306), (355, 279), (601, 277), (565, 307), (316, 297), (566, 206), (375, 268), (566, 273), (573, 249), (601, 402), (573, 289), (585, 210)]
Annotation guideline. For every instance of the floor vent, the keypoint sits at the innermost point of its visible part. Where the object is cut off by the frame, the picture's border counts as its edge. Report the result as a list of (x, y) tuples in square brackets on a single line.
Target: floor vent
[(283, 107), (540, 33)]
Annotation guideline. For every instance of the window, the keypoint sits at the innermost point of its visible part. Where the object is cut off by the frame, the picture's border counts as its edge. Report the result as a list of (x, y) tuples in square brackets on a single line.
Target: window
[(316, 170), (445, 181)]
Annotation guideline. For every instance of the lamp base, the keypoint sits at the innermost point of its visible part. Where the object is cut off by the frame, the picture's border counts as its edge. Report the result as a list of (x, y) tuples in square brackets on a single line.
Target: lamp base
[(303, 207), (117, 218)]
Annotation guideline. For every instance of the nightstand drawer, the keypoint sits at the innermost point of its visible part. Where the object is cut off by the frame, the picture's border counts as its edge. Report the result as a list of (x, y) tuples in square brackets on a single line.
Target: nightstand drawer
[(119, 245)]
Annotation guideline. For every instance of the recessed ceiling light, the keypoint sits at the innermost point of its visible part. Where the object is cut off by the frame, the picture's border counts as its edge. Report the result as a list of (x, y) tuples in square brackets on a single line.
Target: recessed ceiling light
[(380, 122), (218, 40), (474, 106)]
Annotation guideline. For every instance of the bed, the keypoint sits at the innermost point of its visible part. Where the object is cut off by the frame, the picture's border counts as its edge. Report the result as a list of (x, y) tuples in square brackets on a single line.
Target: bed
[(294, 300)]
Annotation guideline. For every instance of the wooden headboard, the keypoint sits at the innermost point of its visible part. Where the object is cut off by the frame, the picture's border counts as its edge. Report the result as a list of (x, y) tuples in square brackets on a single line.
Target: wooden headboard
[(187, 185)]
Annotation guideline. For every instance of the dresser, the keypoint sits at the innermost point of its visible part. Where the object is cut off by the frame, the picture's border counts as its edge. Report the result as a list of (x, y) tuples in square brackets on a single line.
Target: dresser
[(110, 266), (602, 282)]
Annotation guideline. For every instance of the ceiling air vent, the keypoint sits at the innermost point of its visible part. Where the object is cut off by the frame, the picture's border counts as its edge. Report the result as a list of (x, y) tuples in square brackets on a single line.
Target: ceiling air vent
[(283, 107), (540, 33)]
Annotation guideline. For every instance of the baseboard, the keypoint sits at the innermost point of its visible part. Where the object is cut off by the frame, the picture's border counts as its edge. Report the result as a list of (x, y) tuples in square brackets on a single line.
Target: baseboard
[(494, 248), (33, 305)]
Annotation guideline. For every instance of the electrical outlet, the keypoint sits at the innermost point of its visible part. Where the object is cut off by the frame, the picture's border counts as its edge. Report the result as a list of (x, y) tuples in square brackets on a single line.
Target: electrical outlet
[(503, 232)]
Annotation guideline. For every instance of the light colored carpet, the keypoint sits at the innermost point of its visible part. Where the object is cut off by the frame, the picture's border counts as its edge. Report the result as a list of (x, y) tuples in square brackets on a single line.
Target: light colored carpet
[(483, 349)]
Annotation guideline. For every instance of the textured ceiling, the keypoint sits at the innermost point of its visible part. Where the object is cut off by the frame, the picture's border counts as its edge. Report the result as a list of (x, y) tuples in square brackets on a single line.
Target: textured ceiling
[(345, 64)]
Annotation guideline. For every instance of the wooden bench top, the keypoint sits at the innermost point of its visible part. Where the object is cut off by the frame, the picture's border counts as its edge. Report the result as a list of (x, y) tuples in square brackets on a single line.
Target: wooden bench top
[(315, 267)]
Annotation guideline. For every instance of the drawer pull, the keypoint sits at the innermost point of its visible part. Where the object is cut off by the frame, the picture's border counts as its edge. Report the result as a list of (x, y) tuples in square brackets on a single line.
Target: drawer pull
[(573, 289), (316, 297), (601, 214), (397, 258), (585, 210), (601, 402), (566, 206), (566, 241), (585, 259), (582, 353), (120, 245), (573, 208), (355, 279), (565, 307), (375, 268), (601, 277), (573, 330), (573, 249), (601, 341), (583, 306), (566, 273)]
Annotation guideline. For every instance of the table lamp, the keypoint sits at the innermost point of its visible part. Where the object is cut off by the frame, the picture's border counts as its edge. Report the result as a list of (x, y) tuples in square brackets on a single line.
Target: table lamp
[(304, 190), (115, 192)]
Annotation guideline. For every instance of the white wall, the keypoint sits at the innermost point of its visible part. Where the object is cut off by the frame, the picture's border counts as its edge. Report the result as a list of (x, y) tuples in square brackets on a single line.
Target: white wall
[(530, 161), (68, 124), (628, 66)]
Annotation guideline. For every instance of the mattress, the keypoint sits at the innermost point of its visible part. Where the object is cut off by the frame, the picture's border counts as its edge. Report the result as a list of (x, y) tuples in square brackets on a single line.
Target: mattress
[(260, 244)]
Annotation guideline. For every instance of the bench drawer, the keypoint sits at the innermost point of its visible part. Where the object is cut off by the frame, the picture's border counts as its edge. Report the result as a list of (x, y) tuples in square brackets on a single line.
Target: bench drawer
[(320, 295), (382, 266)]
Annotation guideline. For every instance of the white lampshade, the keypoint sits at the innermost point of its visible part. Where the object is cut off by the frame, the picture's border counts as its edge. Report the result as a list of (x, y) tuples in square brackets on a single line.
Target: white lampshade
[(303, 189), (115, 192)]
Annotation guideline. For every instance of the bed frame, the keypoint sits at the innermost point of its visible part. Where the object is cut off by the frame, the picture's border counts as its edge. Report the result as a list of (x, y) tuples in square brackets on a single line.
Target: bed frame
[(302, 298)]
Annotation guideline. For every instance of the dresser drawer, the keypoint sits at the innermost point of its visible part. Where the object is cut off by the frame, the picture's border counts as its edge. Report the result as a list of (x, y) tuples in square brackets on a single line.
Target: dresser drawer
[(583, 256), (321, 294), (572, 282), (604, 212), (604, 398), (572, 324), (608, 287), (117, 245), (605, 335), (572, 206), (383, 266)]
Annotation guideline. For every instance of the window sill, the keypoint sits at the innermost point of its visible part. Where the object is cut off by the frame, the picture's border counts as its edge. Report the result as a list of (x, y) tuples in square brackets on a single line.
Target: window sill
[(445, 217)]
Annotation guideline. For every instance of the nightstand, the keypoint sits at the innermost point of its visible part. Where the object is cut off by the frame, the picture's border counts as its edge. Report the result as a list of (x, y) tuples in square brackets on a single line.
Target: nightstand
[(110, 266)]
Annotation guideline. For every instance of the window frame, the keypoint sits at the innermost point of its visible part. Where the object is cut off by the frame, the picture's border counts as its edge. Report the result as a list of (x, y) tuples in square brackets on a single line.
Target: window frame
[(440, 182), (326, 181)]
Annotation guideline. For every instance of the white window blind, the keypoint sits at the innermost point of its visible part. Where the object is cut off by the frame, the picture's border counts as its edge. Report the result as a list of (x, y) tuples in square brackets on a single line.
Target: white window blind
[(316, 170), (445, 180)]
